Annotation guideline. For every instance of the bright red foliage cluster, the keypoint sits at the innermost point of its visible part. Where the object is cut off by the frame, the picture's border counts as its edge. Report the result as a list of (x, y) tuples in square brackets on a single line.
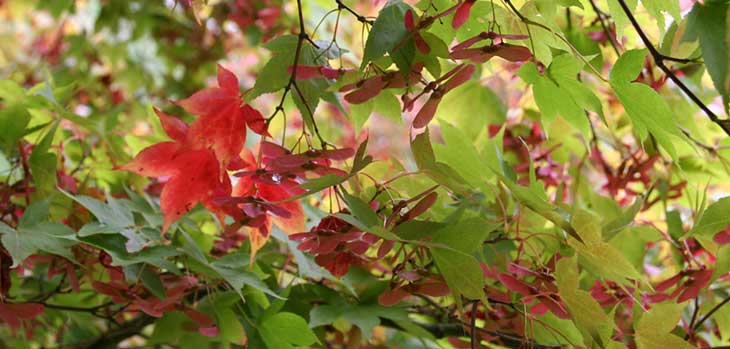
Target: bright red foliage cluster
[(193, 166)]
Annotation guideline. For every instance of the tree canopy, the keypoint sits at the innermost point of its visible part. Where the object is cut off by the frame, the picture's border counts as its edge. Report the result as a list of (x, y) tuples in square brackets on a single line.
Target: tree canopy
[(364, 174)]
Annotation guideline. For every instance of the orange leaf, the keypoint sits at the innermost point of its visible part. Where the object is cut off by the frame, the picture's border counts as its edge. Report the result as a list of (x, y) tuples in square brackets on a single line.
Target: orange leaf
[(197, 180), (223, 118), (155, 160), (224, 131)]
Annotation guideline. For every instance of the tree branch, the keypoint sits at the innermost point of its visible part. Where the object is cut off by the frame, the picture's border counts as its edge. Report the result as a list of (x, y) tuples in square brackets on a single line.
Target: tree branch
[(602, 19), (301, 37), (710, 313), (659, 59), (358, 16), (443, 330), (111, 338), (528, 22)]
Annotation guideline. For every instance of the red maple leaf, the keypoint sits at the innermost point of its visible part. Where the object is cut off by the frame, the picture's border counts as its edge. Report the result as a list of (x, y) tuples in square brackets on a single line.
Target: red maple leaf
[(223, 118), (194, 174)]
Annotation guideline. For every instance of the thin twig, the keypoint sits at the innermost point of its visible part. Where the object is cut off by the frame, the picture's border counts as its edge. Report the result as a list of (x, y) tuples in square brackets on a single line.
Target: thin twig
[(712, 150), (602, 19), (76, 309), (659, 59), (442, 330), (694, 317), (710, 313), (562, 38), (358, 16), (301, 37)]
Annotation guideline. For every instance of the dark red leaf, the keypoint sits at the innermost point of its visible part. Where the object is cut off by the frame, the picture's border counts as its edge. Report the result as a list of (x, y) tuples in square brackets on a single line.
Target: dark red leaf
[(515, 285)]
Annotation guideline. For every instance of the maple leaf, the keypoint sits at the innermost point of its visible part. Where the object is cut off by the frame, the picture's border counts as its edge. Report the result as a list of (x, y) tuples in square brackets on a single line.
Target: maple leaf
[(223, 118), (195, 175), (197, 179)]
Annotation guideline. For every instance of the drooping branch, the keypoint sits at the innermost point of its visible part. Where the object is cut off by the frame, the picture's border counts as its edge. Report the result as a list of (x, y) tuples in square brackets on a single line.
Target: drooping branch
[(111, 338), (660, 58)]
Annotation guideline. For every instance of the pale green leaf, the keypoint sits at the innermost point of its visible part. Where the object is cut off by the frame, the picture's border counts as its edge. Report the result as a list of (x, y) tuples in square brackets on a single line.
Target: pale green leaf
[(714, 219), (387, 32), (583, 308), (646, 109), (654, 327)]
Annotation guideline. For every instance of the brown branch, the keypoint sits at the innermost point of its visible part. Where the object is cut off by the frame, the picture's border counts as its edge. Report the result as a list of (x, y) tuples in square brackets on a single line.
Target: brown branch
[(712, 150), (528, 22), (659, 59), (710, 313), (602, 19), (442, 330), (297, 53), (110, 339), (301, 37), (91, 310)]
